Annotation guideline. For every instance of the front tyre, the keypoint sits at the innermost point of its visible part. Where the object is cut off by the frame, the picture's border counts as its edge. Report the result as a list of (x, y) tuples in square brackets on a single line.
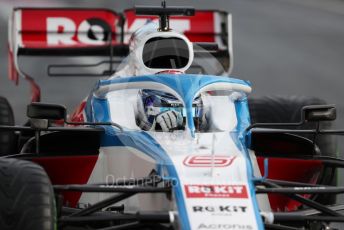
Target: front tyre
[(26, 196), (7, 138)]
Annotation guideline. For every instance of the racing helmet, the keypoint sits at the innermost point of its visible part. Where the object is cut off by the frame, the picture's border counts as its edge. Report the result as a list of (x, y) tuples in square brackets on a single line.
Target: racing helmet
[(153, 51), (156, 102)]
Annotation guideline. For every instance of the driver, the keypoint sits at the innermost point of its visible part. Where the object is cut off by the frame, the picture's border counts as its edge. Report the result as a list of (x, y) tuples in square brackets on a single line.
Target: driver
[(162, 111), (153, 52)]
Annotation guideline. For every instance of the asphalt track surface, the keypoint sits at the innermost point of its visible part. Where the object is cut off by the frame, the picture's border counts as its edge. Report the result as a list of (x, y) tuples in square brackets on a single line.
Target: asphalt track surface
[(284, 47)]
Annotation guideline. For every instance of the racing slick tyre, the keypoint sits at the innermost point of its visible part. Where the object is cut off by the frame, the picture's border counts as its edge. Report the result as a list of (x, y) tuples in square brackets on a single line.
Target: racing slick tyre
[(278, 109), (7, 138), (26, 196)]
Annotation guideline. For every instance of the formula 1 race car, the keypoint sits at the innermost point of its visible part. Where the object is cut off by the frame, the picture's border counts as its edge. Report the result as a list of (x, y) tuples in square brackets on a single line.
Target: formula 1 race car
[(230, 163)]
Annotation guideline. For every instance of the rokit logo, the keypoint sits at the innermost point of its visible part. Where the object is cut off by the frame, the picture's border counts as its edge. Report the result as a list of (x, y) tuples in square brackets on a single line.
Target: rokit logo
[(63, 30), (216, 191), (208, 161), (220, 209), (43, 28), (225, 226)]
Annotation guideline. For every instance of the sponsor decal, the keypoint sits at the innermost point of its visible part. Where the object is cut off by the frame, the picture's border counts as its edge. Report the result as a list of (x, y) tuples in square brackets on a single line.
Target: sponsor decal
[(92, 31), (208, 161), (219, 209), (216, 191), (225, 226), (42, 28)]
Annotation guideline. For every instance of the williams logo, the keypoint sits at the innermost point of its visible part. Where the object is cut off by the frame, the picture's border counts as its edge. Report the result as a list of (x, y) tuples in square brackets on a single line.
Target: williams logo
[(200, 161)]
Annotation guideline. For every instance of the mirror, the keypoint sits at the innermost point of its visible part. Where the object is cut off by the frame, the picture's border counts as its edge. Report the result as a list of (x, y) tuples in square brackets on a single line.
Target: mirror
[(39, 110), (319, 113), (281, 145)]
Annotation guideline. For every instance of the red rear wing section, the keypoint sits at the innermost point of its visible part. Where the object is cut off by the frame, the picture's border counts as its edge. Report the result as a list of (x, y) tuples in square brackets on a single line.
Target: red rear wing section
[(100, 32), (63, 28), (205, 26)]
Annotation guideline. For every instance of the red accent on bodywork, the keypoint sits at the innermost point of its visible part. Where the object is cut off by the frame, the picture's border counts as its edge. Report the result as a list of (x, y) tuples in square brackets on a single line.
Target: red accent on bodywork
[(12, 72), (68, 170), (13, 75), (208, 161), (78, 114), (35, 89), (170, 72), (305, 171)]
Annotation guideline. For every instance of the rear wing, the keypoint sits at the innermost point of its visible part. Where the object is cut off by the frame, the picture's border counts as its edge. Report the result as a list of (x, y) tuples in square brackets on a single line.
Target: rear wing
[(37, 32), (93, 42)]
